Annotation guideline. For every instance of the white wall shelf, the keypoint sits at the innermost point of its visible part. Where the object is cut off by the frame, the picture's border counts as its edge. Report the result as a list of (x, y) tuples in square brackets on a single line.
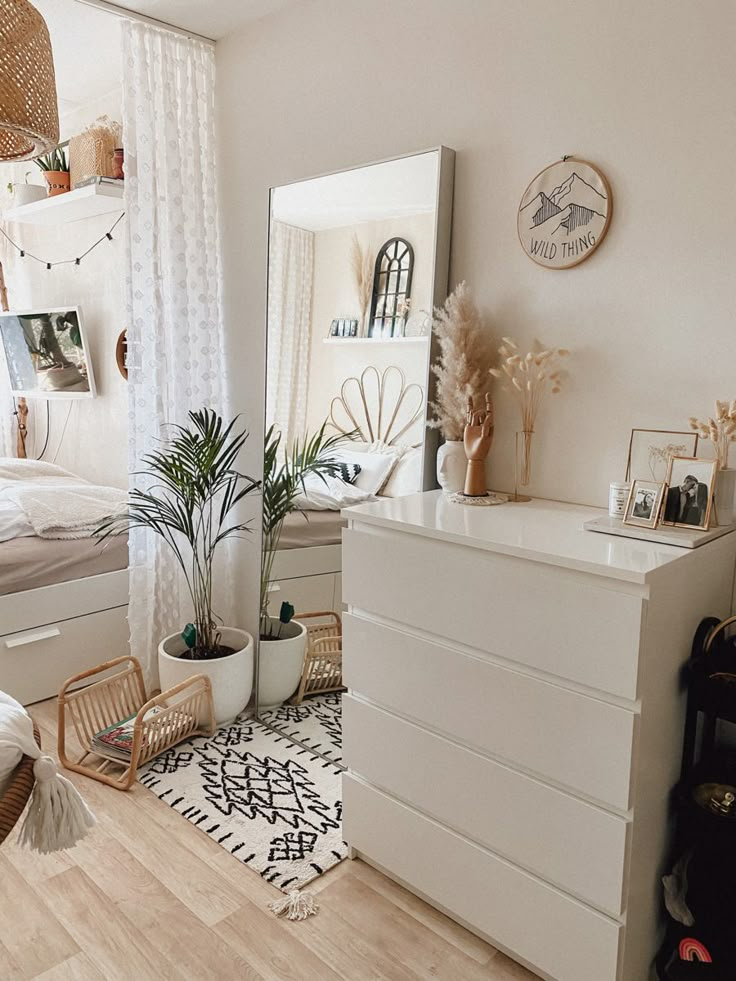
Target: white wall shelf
[(84, 202), (375, 340)]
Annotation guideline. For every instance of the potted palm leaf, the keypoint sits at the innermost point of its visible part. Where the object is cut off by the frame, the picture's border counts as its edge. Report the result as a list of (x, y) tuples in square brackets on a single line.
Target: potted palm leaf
[(193, 491), (55, 167), (283, 640)]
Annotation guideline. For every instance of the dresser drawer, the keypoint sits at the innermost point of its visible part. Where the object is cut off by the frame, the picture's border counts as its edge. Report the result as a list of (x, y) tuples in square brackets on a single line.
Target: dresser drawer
[(559, 622), (555, 934), (34, 664), (580, 742), (515, 816)]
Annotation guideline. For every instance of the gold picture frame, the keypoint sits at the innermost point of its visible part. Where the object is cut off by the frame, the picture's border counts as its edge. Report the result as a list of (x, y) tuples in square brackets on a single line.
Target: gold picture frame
[(644, 503), (655, 449), (690, 492)]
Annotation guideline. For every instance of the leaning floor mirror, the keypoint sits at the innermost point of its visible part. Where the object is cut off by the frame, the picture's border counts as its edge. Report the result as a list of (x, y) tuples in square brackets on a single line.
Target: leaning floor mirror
[(357, 262)]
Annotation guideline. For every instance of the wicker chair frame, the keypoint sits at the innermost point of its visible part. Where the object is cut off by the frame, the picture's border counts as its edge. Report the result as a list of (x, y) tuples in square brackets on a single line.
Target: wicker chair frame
[(322, 669), (18, 792)]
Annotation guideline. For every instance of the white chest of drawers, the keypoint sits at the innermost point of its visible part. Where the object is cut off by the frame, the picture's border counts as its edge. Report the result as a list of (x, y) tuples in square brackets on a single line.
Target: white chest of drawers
[(513, 724)]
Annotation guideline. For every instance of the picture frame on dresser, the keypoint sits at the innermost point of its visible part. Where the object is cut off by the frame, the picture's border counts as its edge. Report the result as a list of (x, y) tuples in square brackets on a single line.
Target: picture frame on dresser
[(689, 500), (644, 504), (651, 449)]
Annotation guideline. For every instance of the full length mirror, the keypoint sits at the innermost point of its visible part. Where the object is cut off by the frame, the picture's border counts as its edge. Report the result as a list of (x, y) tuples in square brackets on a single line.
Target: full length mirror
[(357, 261)]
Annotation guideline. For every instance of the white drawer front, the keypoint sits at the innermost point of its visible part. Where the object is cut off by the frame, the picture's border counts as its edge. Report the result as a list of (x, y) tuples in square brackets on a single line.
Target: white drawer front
[(528, 612), (580, 742), (521, 819), (554, 933), (34, 664)]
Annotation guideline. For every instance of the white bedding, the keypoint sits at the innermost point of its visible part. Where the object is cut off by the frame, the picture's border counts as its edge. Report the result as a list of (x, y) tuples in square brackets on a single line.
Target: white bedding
[(52, 501)]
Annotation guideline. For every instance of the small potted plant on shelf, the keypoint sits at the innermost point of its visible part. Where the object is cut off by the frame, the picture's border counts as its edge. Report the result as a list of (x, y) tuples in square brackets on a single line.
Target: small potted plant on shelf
[(55, 167), (189, 503), (25, 193), (283, 640)]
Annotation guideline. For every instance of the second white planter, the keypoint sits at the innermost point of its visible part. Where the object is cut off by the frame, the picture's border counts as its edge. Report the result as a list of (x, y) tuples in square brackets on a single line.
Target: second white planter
[(451, 466), (280, 664), (231, 676)]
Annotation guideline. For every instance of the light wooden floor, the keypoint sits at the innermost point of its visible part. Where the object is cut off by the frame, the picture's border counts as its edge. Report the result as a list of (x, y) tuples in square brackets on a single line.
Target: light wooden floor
[(148, 896)]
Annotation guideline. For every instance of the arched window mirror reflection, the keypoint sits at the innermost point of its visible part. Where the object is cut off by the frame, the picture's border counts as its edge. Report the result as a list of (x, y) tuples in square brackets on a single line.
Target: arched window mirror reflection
[(391, 288)]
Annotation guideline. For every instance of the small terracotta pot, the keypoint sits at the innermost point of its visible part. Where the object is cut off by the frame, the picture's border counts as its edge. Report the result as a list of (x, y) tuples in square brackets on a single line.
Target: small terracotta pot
[(58, 181)]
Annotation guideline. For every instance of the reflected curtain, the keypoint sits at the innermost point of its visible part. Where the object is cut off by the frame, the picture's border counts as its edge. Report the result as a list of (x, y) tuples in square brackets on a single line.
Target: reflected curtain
[(290, 276), (174, 318)]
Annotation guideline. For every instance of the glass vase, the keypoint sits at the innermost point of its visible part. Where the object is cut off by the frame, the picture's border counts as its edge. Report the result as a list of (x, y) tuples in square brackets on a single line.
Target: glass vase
[(524, 457)]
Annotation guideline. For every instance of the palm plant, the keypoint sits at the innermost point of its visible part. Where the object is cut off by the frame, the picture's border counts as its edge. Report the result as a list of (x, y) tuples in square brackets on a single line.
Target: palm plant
[(283, 480), (189, 504), (55, 160)]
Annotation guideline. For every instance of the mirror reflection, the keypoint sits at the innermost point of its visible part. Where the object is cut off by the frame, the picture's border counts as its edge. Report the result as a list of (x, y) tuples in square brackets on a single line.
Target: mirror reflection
[(351, 284)]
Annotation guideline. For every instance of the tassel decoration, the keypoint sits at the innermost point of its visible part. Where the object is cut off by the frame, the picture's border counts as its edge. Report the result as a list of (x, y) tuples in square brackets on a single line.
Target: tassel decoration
[(295, 905), (57, 817)]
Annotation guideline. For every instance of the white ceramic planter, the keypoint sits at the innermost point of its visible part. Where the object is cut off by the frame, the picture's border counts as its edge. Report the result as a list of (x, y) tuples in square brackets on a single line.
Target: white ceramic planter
[(280, 665), (451, 466), (725, 491), (231, 677)]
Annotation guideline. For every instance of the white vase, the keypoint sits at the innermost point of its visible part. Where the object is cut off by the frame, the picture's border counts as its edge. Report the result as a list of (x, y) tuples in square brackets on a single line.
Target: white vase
[(231, 676), (280, 664), (725, 490), (451, 466)]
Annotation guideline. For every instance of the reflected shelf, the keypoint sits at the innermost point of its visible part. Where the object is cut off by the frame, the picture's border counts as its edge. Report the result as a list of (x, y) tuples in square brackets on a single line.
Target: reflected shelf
[(375, 340)]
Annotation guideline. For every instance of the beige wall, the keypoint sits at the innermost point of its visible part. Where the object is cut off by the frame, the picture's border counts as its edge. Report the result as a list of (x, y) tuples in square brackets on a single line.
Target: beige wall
[(334, 296), (642, 89)]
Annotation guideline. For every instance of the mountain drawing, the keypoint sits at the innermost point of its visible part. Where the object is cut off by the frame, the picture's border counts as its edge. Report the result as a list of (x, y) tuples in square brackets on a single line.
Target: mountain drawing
[(573, 204)]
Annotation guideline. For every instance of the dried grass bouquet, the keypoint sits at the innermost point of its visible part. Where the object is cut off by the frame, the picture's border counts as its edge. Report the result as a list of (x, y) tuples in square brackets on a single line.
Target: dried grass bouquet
[(720, 430), (466, 355), (361, 266)]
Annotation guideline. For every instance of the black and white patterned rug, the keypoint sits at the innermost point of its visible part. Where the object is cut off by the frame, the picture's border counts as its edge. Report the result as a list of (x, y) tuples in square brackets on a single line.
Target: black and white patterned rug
[(274, 805), (317, 723)]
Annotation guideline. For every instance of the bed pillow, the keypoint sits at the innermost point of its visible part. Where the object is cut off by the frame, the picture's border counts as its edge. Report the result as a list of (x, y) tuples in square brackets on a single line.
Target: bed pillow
[(330, 494), (406, 477), (348, 472), (375, 467)]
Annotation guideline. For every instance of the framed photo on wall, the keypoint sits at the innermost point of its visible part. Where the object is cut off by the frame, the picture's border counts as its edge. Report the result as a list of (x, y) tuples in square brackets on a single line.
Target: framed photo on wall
[(645, 503), (690, 486), (650, 451)]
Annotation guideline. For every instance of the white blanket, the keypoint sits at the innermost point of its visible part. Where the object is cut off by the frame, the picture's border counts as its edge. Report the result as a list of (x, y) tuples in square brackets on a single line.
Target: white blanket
[(56, 503)]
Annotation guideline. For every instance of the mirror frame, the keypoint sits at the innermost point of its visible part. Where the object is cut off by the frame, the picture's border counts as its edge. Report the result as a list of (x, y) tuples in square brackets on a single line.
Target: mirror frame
[(440, 287)]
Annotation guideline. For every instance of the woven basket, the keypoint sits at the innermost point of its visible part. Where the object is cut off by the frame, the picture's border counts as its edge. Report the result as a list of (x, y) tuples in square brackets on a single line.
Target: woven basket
[(18, 792), (91, 152), (29, 117)]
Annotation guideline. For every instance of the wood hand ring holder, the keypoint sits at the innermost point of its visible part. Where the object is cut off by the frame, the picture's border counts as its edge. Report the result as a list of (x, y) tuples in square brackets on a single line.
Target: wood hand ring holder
[(477, 437)]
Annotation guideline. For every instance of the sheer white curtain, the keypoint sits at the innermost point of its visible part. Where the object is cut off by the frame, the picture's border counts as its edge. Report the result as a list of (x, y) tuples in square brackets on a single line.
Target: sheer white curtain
[(174, 321), (290, 276)]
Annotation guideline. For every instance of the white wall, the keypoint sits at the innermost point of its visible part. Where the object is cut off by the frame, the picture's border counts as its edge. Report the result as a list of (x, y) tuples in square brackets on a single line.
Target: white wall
[(334, 296), (94, 442), (644, 90)]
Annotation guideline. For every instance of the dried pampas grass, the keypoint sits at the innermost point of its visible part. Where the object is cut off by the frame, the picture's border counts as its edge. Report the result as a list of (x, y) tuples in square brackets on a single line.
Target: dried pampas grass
[(466, 355), (720, 430), (361, 266), (529, 377)]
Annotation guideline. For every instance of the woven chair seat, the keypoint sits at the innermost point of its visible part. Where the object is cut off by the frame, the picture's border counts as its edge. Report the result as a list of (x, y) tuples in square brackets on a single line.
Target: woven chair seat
[(18, 792)]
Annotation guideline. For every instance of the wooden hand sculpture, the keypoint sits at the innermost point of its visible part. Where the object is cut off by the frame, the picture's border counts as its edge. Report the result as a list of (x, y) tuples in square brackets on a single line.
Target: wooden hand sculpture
[(478, 437)]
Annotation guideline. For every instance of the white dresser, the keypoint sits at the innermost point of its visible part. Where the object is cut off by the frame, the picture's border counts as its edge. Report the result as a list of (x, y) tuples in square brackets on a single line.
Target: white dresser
[(513, 724)]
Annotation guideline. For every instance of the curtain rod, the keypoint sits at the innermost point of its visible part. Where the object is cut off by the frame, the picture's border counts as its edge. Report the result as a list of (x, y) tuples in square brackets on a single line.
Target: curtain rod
[(117, 11)]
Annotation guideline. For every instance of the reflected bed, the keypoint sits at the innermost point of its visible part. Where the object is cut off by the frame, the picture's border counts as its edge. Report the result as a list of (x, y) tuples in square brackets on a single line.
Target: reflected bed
[(318, 528), (30, 563)]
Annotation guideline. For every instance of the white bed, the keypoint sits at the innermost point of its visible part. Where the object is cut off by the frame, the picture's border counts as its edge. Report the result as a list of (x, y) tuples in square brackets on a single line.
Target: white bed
[(63, 601), (388, 417)]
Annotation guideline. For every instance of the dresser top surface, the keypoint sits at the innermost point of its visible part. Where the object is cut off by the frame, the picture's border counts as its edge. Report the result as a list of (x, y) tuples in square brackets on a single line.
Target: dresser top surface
[(543, 531)]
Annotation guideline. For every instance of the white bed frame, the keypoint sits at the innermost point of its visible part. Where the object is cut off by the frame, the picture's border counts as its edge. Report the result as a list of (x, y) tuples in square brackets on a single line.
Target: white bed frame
[(49, 634)]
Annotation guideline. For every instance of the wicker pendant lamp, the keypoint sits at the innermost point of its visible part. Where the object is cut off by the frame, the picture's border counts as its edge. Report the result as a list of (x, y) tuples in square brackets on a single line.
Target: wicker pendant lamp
[(29, 116)]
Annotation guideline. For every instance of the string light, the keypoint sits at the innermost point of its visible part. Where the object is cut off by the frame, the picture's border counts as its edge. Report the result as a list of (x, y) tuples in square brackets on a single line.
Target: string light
[(107, 237)]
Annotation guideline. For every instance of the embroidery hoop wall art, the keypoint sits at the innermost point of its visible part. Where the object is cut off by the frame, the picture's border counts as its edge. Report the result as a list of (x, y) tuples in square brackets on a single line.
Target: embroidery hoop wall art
[(564, 213)]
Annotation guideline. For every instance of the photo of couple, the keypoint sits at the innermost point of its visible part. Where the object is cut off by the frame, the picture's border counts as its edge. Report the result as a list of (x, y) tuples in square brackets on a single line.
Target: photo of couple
[(690, 492)]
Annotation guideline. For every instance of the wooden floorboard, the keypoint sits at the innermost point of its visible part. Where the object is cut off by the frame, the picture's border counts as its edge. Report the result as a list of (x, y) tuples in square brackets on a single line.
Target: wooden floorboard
[(149, 896)]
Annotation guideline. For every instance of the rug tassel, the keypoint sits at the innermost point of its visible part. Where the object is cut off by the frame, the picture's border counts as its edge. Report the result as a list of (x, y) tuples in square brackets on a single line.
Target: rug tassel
[(295, 905)]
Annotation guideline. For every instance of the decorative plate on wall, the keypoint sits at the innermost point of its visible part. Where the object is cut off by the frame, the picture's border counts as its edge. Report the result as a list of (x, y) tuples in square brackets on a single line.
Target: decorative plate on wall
[(564, 213)]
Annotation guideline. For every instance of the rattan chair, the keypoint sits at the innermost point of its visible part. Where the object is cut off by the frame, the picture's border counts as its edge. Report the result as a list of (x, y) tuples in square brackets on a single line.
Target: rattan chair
[(17, 793)]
